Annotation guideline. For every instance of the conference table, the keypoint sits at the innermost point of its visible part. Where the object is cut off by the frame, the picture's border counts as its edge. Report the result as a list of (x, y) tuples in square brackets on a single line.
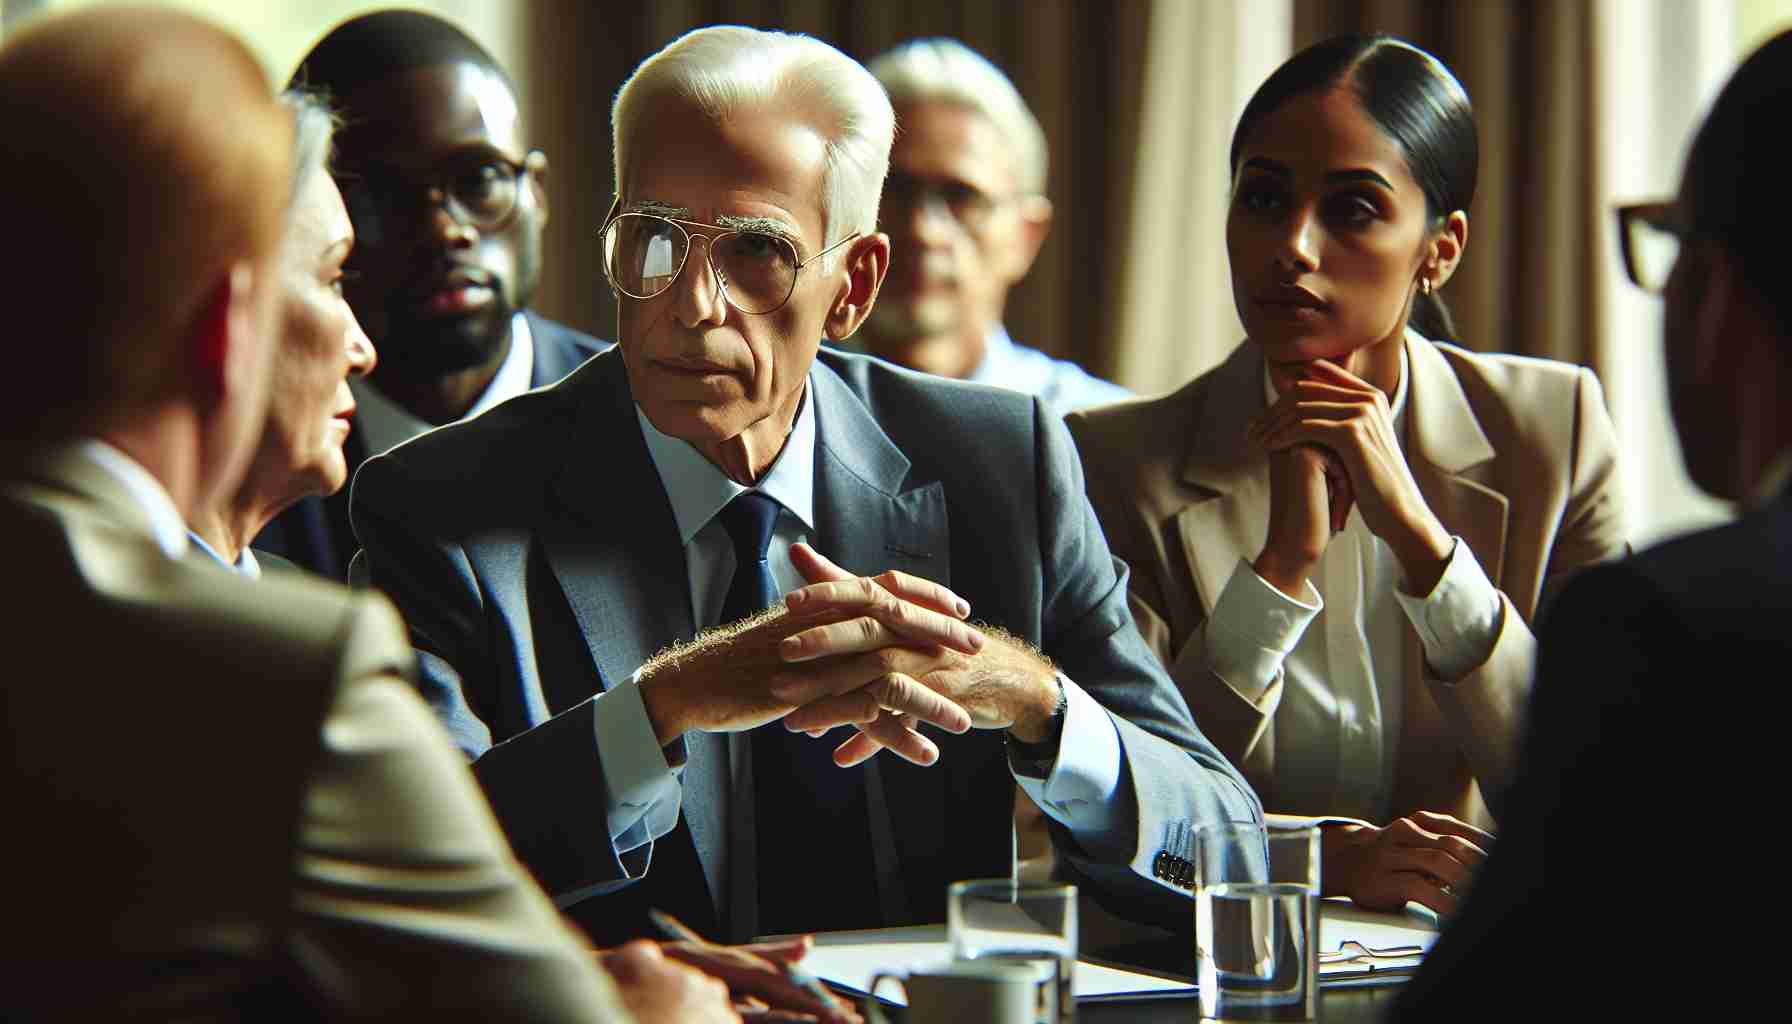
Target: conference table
[(848, 958)]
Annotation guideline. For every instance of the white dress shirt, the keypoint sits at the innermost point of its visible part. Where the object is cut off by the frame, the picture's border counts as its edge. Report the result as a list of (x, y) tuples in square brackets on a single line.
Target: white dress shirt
[(384, 424), (1339, 721), (165, 522), (641, 779)]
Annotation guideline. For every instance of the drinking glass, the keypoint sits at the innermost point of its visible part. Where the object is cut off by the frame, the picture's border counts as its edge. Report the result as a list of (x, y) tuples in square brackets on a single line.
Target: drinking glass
[(1257, 922)]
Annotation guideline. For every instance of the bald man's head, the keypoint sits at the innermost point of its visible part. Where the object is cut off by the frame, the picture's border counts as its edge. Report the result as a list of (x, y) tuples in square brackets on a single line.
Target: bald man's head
[(145, 164)]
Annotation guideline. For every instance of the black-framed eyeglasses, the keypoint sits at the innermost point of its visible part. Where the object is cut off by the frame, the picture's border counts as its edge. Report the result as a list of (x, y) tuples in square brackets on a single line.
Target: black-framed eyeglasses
[(1649, 236), (967, 205), (480, 191), (756, 270)]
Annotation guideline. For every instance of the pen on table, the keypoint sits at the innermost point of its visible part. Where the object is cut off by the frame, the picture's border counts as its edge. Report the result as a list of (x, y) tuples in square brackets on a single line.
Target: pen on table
[(797, 975)]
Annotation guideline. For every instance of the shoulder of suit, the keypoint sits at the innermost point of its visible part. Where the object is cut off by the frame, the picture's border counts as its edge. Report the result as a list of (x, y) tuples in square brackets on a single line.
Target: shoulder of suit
[(894, 393), (1141, 429), (1527, 381), (584, 345), (502, 447)]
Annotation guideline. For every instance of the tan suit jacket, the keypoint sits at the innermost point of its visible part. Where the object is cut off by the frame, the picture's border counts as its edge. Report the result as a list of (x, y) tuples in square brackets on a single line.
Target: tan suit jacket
[(225, 801), (1517, 456)]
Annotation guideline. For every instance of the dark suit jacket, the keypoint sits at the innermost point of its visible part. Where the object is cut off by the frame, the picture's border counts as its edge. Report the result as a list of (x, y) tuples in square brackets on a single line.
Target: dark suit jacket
[(535, 556), (1645, 796), (315, 533)]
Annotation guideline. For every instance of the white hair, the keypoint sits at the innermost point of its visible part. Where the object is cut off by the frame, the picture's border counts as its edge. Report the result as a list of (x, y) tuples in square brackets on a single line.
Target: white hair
[(314, 133), (947, 71), (726, 68)]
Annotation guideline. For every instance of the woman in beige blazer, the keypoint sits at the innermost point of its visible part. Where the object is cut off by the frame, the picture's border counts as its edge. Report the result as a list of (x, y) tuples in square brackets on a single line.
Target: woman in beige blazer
[(1341, 535)]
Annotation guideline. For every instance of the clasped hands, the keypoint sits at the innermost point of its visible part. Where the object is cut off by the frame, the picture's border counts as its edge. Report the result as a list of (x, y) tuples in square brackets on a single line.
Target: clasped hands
[(883, 654), (1331, 444)]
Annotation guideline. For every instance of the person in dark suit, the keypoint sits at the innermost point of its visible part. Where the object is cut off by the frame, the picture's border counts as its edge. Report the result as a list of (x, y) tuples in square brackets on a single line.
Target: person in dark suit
[(1659, 693), (544, 553), (448, 205)]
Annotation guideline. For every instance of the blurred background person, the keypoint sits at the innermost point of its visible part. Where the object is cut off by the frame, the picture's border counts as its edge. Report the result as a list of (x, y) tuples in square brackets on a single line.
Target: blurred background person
[(965, 208), (149, 699), (1660, 678), (1340, 536), (448, 205), (318, 346)]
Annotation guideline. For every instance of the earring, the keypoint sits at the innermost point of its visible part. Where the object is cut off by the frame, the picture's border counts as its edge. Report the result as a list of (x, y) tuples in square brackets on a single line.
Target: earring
[(1424, 286)]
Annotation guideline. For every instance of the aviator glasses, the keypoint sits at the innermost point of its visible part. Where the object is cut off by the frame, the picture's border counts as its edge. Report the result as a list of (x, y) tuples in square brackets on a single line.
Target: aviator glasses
[(756, 270)]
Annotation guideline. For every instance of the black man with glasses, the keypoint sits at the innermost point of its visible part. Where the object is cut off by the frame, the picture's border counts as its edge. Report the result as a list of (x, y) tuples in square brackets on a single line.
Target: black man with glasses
[(448, 206), (1659, 712), (644, 597)]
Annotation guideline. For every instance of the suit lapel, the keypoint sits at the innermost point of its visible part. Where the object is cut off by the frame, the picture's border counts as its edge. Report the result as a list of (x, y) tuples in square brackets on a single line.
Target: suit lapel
[(1444, 445), (867, 523), (1233, 521), (613, 543)]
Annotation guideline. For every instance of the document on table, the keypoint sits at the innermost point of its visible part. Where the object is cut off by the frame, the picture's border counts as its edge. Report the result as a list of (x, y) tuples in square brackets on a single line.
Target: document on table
[(849, 960)]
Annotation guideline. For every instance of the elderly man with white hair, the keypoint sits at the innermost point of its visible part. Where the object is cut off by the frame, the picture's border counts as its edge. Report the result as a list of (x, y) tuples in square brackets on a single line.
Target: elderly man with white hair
[(642, 596), (965, 208)]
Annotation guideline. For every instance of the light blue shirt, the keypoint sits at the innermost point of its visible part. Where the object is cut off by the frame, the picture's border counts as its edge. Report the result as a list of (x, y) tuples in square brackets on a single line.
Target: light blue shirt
[(246, 565), (1064, 386), (641, 781)]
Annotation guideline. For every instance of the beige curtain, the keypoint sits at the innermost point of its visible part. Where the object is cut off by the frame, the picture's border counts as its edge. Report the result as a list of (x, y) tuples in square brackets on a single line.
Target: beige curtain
[(1171, 313)]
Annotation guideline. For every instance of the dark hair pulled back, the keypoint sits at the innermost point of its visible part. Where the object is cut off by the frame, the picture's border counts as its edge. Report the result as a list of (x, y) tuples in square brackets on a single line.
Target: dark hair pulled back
[(1415, 100)]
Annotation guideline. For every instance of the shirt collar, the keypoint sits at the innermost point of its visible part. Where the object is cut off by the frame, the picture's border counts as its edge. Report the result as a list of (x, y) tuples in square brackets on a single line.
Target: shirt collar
[(147, 493), (384, 424), (997, 347), (516, 371), (1396, 407), (698, 490), (246, 564)]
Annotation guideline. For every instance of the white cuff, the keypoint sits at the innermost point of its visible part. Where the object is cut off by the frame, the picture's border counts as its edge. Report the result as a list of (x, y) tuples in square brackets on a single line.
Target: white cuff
[(641, 789), (1252, 629), (1459, 621), (1085, 777)]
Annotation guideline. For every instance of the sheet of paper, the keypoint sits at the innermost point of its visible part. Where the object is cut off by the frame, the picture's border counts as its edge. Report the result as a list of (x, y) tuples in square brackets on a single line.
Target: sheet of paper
[(852, 959)]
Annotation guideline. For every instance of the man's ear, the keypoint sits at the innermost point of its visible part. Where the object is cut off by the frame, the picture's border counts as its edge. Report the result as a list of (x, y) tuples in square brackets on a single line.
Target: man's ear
[(1034, 217), (867, 261), (1446, 249), (537, 165)]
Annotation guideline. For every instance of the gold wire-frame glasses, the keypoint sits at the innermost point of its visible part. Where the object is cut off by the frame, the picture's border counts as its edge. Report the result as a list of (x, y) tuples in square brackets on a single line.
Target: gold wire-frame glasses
[(756, 271)]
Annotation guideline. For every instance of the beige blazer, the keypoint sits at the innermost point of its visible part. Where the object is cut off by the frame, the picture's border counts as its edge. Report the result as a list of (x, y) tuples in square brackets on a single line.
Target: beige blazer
[(1515, 455), (225, 802)]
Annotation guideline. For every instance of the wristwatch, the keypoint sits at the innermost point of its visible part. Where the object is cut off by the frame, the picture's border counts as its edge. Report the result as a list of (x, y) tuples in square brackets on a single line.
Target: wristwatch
[(1035, 759)]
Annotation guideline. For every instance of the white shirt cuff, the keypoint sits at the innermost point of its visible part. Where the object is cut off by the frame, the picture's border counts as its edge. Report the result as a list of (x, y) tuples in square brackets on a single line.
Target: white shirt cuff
[(1252, 629), (1085, 778), (1459, 621), (641, 788)]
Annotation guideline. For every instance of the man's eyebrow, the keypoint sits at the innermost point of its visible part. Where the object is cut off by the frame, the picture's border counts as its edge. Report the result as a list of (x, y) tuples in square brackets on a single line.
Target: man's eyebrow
[(760, 225), (657, 209)]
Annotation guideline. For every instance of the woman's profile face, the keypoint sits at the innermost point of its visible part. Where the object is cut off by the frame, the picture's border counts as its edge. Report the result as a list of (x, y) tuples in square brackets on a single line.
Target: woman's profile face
[(320, 346), (1326, 232)]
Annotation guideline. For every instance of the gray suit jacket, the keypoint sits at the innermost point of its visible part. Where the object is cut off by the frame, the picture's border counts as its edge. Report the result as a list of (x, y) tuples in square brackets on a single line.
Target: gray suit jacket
[(230, 804), (536, 558)]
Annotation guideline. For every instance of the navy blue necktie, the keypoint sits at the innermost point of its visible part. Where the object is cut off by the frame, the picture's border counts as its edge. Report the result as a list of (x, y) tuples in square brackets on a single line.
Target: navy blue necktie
[(749, 519), (806, 882)]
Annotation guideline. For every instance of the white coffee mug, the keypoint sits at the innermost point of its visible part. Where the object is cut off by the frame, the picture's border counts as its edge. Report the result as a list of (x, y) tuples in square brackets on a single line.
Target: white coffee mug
[(971, 991)]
